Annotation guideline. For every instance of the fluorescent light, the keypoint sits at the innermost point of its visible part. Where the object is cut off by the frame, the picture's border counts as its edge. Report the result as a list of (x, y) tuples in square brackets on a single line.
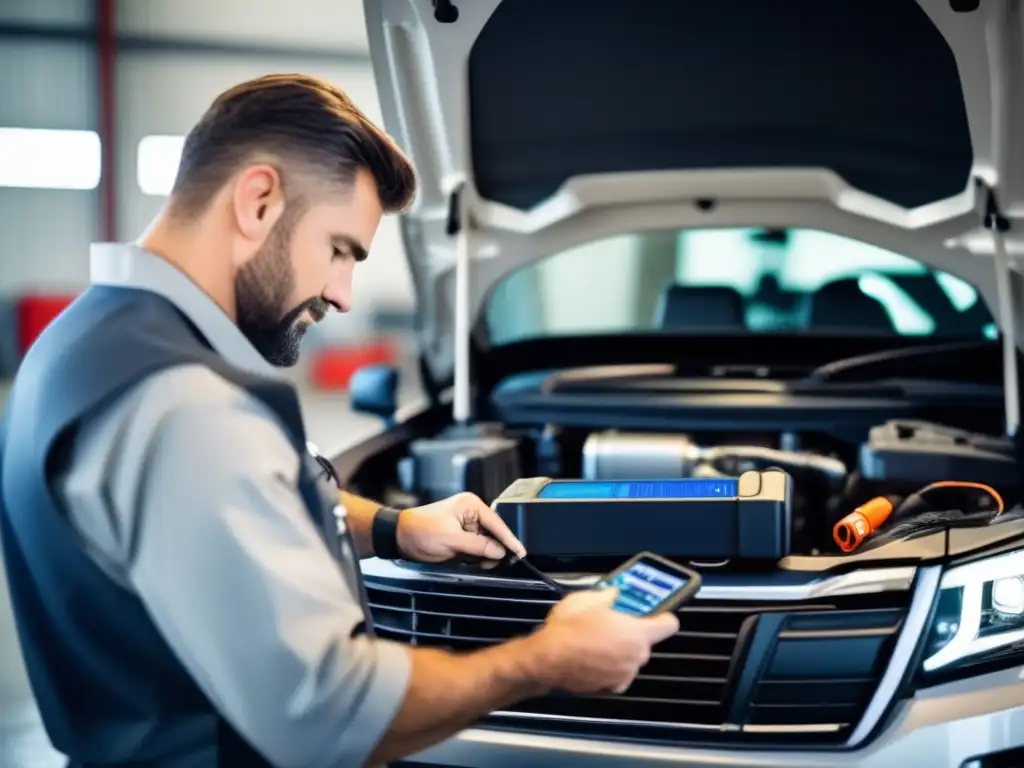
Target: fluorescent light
[(49, 159), (157, 161)]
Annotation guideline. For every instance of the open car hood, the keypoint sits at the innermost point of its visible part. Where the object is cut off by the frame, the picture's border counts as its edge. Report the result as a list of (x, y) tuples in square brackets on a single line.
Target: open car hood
[(570, 120)]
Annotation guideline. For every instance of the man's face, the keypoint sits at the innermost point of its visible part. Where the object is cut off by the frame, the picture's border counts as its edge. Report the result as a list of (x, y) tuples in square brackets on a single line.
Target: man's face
[(304, 268)]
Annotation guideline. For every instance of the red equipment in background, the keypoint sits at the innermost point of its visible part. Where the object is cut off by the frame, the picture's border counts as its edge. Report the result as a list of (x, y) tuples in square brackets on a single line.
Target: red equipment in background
[(332, 367), (33, 312)]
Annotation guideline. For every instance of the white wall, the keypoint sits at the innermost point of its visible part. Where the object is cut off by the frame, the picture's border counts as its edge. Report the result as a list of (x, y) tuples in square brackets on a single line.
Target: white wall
[(316, 23)]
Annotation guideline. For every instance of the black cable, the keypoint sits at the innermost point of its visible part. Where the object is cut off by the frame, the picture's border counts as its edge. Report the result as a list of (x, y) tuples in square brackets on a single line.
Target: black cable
[(551, 583)]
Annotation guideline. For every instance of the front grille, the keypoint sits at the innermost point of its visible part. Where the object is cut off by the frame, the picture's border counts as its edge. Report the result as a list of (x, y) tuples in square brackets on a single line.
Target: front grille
[(738, 671)]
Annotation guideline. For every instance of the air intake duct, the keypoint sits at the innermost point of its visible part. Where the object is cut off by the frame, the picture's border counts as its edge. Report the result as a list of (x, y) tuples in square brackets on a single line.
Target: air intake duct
[(613, 455)]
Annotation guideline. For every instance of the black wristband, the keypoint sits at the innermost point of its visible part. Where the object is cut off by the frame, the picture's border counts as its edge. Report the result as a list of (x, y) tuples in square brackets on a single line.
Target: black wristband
[(384, 533)]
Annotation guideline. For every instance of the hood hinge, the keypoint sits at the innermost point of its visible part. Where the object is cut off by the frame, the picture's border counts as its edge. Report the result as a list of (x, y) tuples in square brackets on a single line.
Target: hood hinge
[(995, 222), (445, 12), (458, 227)]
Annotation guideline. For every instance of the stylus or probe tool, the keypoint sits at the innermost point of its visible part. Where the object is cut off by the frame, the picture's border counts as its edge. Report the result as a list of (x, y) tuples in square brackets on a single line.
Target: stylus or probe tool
[(511, 560), (549, 582)]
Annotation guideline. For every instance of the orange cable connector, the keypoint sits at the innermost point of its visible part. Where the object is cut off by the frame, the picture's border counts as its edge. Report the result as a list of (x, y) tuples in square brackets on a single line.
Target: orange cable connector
[(861, 523)]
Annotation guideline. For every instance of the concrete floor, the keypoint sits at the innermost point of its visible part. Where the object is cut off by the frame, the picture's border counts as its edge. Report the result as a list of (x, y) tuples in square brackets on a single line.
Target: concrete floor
[(23, 743)]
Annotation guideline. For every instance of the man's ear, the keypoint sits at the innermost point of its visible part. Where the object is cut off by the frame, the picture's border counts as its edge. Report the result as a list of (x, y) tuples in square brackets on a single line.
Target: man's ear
[(257, 202)]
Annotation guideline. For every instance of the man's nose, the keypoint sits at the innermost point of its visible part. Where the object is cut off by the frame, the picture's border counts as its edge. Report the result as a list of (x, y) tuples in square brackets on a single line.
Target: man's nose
[(339, 294)]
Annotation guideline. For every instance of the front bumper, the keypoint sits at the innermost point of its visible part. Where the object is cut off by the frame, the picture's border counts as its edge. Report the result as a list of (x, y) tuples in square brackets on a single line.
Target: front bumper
[(947, 725)]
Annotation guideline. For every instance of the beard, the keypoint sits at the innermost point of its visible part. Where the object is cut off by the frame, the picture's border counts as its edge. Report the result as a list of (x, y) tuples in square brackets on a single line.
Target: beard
[(263, 288)]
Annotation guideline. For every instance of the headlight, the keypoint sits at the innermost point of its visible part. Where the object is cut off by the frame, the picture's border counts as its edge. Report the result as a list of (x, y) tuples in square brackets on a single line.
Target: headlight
[(980, 613)]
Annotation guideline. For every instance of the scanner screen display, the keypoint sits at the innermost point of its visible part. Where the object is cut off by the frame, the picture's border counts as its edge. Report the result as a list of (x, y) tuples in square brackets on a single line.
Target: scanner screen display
[(717, 488), (643, 587)]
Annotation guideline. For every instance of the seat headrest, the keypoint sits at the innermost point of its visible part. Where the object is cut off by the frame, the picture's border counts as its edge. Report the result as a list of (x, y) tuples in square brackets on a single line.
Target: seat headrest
[(842, 305), (691, 307)]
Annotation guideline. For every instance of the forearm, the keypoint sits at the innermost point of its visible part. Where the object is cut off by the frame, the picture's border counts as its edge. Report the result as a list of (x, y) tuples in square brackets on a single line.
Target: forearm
[(448, 692), (360, 514)]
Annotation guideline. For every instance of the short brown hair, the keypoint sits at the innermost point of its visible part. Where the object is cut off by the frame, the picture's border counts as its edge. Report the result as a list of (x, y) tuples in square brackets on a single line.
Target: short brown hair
[(299, 119)]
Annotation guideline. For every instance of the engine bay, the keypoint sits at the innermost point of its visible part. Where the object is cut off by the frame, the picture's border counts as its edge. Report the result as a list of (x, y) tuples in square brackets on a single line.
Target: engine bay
[(837, 487)]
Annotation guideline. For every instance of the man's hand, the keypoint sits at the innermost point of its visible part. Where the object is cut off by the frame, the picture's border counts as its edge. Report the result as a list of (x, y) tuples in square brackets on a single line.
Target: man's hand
[(592, 648), (460, 525)]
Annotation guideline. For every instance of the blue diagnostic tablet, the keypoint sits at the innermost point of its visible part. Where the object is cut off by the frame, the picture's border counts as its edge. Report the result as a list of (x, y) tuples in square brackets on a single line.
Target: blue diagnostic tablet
[(702, 517)]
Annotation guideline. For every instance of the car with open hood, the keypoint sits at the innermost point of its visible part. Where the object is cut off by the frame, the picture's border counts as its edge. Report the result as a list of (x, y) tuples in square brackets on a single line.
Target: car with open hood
[(674, 240)]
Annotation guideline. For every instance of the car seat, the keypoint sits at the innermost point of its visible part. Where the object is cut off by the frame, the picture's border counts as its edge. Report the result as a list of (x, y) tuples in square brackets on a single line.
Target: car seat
[(842, 305), (684, 307)]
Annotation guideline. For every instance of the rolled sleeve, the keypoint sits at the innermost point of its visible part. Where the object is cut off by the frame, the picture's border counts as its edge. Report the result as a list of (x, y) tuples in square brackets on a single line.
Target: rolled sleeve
[(239, 582)]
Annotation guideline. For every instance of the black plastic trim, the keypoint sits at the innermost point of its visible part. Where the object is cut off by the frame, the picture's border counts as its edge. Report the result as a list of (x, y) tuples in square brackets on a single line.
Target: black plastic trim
[(831, 414), (736, 740), (759, 655), (797, 353)]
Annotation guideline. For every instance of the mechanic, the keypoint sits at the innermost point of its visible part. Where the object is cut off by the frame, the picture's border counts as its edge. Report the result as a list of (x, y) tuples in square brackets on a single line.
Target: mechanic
[(183, 592)]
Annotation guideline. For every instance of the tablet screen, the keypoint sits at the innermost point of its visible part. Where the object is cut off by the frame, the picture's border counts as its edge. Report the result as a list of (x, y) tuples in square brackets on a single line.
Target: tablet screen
[(716, 488)]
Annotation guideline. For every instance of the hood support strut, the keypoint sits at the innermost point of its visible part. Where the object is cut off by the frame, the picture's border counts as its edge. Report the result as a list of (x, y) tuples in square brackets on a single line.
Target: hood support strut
[(459, 227), (998, 225)]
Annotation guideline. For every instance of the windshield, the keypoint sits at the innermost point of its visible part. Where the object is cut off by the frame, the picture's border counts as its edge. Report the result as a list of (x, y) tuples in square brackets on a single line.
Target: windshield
[(738, 280)]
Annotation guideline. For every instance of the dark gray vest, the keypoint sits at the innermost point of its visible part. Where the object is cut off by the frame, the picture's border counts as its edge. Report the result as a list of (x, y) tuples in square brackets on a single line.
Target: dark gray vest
[(109, 689)]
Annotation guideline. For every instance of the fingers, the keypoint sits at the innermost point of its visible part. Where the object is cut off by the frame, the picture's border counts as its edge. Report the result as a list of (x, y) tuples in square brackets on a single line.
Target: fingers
[(586, 599), (476, 545), (604, 596), (628, 680), (660, 627), (624, 685), (492, 523)]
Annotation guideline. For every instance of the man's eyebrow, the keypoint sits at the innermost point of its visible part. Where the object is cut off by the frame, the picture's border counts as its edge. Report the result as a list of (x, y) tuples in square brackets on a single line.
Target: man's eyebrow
[(346, 243)]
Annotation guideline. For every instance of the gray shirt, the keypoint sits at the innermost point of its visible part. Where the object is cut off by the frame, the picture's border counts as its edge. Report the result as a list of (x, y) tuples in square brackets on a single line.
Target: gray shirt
[(185, 490)]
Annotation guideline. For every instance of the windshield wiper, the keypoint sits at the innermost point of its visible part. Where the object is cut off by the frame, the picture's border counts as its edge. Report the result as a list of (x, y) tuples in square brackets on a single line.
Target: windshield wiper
[(959, 360)]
